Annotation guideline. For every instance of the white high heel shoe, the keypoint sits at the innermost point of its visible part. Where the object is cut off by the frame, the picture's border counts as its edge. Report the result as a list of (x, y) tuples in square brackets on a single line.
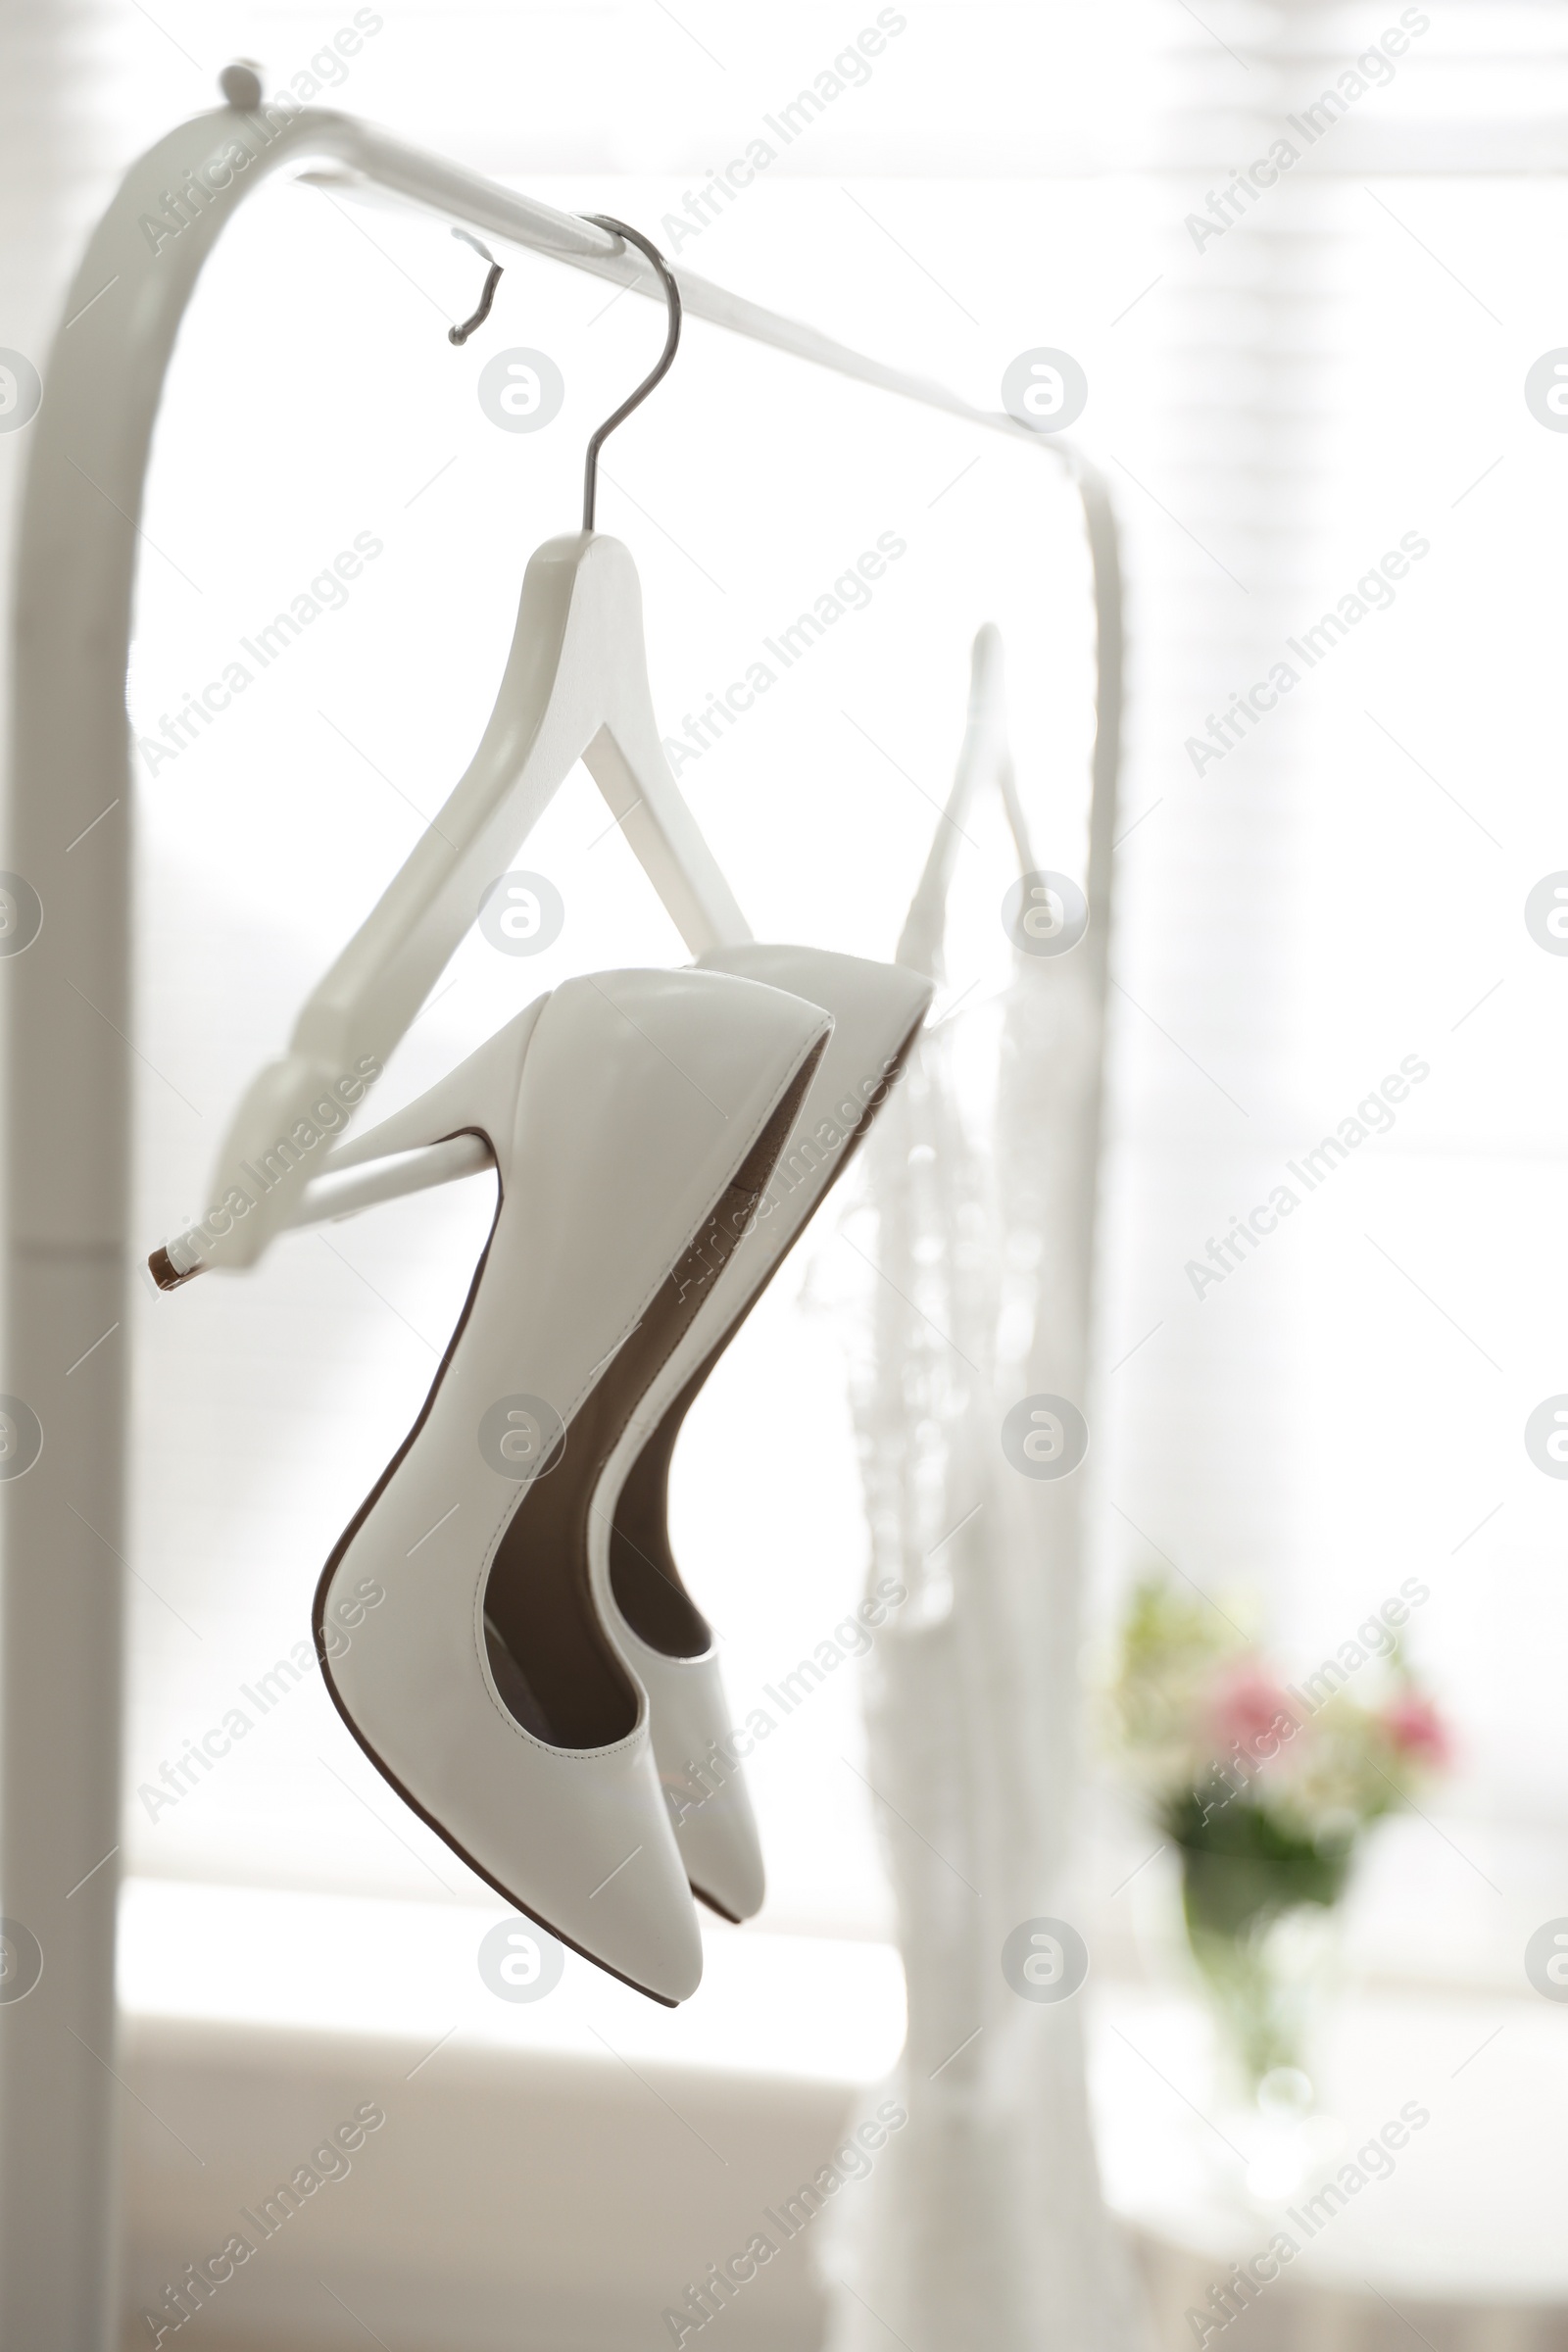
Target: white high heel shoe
[(634, 1118), (877, 1009)]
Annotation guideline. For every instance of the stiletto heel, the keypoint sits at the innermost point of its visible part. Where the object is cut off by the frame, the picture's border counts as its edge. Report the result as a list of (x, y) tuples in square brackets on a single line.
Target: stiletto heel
[(634, 1119), (663, 1637)]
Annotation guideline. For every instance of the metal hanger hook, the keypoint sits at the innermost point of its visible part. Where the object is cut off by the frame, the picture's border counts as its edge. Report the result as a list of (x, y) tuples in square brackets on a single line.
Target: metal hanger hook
[(632, 236), (461, 334)]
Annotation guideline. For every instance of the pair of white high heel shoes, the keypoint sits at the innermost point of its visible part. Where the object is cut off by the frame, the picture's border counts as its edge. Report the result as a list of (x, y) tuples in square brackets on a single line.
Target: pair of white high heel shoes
[(537, 1669)]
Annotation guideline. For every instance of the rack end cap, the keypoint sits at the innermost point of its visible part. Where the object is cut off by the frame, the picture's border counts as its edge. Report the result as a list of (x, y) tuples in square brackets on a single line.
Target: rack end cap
[(241, 84)]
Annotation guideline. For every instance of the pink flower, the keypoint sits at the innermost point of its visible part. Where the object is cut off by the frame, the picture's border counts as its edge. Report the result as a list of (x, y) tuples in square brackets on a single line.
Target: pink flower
[(1417, 1730), (1248, 1712)]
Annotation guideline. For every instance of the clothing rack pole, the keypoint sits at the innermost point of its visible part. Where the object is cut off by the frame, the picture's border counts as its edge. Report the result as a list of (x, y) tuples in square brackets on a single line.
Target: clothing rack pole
[(66, 1013)]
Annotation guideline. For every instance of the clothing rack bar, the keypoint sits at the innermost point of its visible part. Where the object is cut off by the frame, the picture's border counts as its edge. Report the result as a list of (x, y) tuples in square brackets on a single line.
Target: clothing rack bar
[(522, 221)]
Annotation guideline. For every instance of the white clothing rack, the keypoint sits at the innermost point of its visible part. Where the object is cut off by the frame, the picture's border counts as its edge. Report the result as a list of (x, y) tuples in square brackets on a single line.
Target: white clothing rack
[(68, 1063)]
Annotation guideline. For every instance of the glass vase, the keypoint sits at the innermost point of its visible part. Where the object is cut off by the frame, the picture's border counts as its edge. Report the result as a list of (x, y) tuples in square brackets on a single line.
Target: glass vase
[(1263, 1927)]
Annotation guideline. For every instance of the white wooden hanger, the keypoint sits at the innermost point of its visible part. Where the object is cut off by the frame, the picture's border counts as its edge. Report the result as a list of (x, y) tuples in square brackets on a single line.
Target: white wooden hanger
[(576, 687), (985, 754)]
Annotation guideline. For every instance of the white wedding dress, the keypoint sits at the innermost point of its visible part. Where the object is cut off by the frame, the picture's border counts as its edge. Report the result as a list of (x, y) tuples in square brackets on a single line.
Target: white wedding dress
[(982, 2224)]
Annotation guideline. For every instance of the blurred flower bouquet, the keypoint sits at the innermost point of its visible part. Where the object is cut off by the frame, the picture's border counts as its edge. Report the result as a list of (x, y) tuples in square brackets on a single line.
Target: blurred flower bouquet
[(1266, 1790)]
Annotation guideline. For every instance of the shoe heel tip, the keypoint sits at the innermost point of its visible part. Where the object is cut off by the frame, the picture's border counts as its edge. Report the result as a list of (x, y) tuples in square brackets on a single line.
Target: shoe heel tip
[(165, 1274)]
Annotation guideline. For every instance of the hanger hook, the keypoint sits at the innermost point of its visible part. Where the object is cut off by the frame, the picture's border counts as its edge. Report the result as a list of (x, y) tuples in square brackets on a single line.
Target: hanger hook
[(461, 334), (590, 479)]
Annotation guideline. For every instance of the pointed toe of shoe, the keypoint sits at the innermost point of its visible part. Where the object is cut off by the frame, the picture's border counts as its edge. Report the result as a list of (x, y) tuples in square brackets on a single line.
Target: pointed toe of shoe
[(642, 1925), (673, 1972), (705, 1787), (722, 1858)]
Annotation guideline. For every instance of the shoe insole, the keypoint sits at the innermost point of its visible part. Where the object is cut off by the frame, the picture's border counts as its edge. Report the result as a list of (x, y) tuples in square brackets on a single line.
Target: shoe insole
[(552, 1661), (643, 1575)]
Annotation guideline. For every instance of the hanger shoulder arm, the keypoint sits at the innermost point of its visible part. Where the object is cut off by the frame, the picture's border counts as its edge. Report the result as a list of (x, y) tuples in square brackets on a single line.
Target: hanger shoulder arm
[(545, 712), (626, 760)]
